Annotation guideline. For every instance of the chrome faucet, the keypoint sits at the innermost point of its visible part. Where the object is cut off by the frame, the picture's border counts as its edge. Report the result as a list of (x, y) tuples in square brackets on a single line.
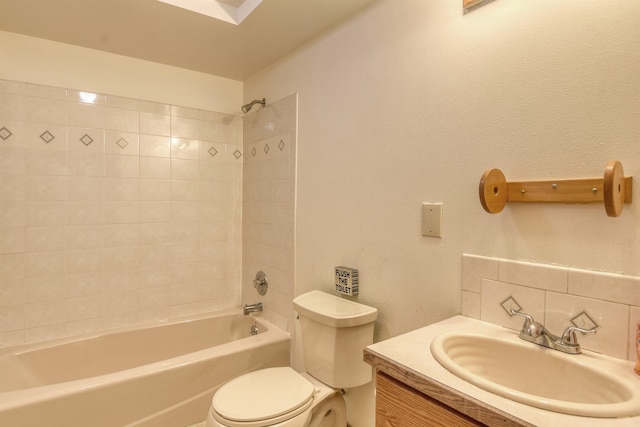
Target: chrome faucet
[(251, 308), (536, 333)]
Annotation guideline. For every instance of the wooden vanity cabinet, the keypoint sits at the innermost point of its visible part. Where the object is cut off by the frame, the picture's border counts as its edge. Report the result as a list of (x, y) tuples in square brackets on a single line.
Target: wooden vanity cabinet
[(398, 405)]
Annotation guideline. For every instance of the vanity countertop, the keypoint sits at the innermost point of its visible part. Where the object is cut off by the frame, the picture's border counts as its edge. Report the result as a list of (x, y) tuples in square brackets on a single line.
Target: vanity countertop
[(408, 359)]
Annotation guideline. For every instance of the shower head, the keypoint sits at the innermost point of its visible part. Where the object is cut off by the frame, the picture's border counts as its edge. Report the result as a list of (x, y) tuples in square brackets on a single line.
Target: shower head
[(247, 107)]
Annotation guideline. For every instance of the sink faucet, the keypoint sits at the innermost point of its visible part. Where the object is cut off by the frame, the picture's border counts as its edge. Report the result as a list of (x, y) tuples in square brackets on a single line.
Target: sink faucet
[(536, 333), (250, 308)]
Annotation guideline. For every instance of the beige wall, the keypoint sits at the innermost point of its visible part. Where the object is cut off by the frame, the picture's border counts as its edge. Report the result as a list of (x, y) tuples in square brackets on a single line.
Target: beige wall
[(34, 60), (411, 101)]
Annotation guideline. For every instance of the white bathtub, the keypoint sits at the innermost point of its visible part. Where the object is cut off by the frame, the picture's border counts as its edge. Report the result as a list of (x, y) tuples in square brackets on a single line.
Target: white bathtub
[(161, 375)]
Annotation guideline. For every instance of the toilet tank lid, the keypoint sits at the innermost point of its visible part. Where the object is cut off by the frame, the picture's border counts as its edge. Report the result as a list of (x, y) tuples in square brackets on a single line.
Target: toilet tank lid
[(333, 311)]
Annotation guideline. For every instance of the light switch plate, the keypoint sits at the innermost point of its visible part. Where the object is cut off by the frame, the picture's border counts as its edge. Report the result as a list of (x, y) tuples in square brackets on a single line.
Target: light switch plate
[(432, 219)]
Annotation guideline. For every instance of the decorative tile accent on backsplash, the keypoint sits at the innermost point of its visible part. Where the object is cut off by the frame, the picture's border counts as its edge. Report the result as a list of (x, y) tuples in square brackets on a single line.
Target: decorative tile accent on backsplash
[(109, 216), (86, 139), (555, 296), (5, 133), (47, 136), (584, 321), (122, 143)]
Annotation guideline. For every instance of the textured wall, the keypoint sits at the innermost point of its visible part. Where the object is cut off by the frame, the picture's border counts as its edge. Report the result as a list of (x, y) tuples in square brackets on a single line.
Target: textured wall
[(411, 101)]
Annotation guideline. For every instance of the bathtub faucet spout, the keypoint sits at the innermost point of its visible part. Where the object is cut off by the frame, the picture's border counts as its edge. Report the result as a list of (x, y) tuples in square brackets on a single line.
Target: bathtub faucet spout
[(250, 308)]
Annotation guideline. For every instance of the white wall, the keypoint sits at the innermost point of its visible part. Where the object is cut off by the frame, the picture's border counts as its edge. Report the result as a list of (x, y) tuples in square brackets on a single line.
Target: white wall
[(411, 101), (40, 61)]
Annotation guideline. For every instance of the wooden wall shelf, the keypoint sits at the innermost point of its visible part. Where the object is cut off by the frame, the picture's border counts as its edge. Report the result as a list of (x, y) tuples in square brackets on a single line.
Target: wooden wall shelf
[(614, 189)]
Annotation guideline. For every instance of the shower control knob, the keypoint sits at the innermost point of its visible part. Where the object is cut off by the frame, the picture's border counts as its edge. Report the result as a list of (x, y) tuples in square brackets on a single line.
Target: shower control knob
[(261, 283)]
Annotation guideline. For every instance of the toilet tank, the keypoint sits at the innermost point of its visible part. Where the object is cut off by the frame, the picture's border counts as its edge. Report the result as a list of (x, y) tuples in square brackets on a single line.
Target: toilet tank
[(335, 332)]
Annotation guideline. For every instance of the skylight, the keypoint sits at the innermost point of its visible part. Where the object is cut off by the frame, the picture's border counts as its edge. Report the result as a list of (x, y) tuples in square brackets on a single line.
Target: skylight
[(232, 11)]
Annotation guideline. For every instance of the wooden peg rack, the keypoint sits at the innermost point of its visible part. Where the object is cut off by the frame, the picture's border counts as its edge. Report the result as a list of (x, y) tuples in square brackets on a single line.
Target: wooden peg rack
[(614, 190)]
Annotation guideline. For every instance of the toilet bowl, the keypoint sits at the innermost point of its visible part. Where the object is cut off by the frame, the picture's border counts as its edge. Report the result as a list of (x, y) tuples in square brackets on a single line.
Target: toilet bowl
[(334, 332), (278, 397)]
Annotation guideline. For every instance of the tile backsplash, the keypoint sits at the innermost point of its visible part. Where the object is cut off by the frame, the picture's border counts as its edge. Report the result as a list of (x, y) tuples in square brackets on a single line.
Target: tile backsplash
[(113, 211), (554, 295)]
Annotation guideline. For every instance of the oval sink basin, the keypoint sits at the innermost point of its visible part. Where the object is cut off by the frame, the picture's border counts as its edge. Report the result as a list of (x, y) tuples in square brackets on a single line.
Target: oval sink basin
[(587, 385)]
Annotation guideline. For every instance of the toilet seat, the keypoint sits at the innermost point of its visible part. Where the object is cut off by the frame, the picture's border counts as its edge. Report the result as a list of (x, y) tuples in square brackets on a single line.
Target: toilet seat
[(261, 398)]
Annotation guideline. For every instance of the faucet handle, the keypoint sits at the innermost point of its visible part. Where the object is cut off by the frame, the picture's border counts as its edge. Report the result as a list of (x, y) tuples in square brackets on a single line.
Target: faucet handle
[(530, 328), (569, 337)]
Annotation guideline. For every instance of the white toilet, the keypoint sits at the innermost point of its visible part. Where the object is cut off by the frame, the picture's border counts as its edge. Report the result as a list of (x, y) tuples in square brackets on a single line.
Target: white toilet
[(334, 333)]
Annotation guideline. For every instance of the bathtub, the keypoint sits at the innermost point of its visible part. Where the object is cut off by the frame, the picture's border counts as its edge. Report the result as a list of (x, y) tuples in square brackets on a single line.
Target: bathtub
[(159, 375)]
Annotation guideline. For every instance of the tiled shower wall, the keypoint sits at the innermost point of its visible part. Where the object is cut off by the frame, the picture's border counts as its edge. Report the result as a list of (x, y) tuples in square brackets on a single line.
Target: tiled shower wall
[(270, 136), (555, 295), (113, 211)]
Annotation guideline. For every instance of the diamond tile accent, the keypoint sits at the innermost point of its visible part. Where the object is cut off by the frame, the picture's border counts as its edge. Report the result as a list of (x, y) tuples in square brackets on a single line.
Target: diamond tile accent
[(212, 151), (5, 133), (266, 149), (122, 143), (86, 140), (253, 152), (281, 145), (47, 136), (584, 321), (510, 303), (237, 154)]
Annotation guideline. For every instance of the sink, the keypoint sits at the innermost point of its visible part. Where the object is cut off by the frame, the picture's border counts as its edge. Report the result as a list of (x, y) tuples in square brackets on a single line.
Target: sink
[(590, 384)]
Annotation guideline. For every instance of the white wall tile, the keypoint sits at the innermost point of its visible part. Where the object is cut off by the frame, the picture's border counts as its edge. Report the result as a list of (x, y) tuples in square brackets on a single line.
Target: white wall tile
[(474, 269), (155, 189), (41, 162), (494, 293), (13, 107), (605, 286), (155, 146), (40, 213), (85, 139), (185, 169), (611, 337), (182, 127), (84, 212), (12, 239), (155, 124), (533, 275), (42, 110), (13, 187), (13, 160), (119, 142), (18, 137), (86, 188), (122, 166), (118, 235), (85, 115), (182, 148), (85, 163), (46, 137), (13, 212), (121, 119), (47, 188), (155, 167), (85, 226), (51, 238)]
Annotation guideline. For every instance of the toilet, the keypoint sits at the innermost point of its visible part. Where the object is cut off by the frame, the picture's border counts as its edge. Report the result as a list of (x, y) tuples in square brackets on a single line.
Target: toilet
[(334, 332)]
